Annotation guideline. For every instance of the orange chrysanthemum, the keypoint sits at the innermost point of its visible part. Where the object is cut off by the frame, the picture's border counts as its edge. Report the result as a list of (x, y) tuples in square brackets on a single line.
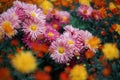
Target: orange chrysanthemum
[(64, 76), (40, 47), (5, 74), (103, 12), (65, 3), (99, 3), (39, 75), (93, 42), (89, 54), (106, 72), (91, 77), (47, 69), (14, 42), (113, 28)]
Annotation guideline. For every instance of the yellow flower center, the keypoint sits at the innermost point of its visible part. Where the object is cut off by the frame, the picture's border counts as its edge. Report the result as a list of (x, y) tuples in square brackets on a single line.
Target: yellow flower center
[(33, 14), (33, 27), (50, 34), (64, 18), (70, 42), (55, 26), (61, 50), (7, 27)]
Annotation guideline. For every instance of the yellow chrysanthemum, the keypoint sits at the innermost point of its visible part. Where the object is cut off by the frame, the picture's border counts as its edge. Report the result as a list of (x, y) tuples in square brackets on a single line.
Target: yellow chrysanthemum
[(46, 6), (85, 2), (24, 62), (112, 6), (78, 73), (110, 51), (118, 28), (93, 42)]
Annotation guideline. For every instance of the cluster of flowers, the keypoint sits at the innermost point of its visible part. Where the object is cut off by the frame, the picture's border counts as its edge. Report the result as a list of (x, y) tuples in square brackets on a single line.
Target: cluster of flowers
[(87, 12), (70, 42), (63, 43), (39, 28)]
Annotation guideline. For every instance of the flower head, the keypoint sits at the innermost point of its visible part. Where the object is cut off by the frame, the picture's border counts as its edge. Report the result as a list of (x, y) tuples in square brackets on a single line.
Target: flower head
[(68, 38), (51, 34), (24, 62), (85, 34), (33, 29), (24, 10), (78, 72), (80, 37), (46, 6), (19, 4), (41, 75), (85, 2), (9, 24), (79, 42), (103, 12), (5, 74), (112, 6), (60, 51), (110, 51), (20, 7), (93, 43), (64, 16), (85, 11), (96, 15), (12, 12), (55, 24), (71, 29), (117, 28), (34, 12)]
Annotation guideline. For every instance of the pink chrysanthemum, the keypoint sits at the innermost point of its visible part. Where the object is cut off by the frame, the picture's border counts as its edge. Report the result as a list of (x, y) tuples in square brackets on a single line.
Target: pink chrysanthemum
[(60, 51), (12, 12), (64, 16), (9, 23), (33, 29), (96, 15), (55, 24), (34, 12), (85, 11), (20, 7), (28, 10), (68, 39), (54, 20), (51, 34), (79, 42), (85, 35), (71, 29), (19, 4), (76, 36), (80, 36)]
